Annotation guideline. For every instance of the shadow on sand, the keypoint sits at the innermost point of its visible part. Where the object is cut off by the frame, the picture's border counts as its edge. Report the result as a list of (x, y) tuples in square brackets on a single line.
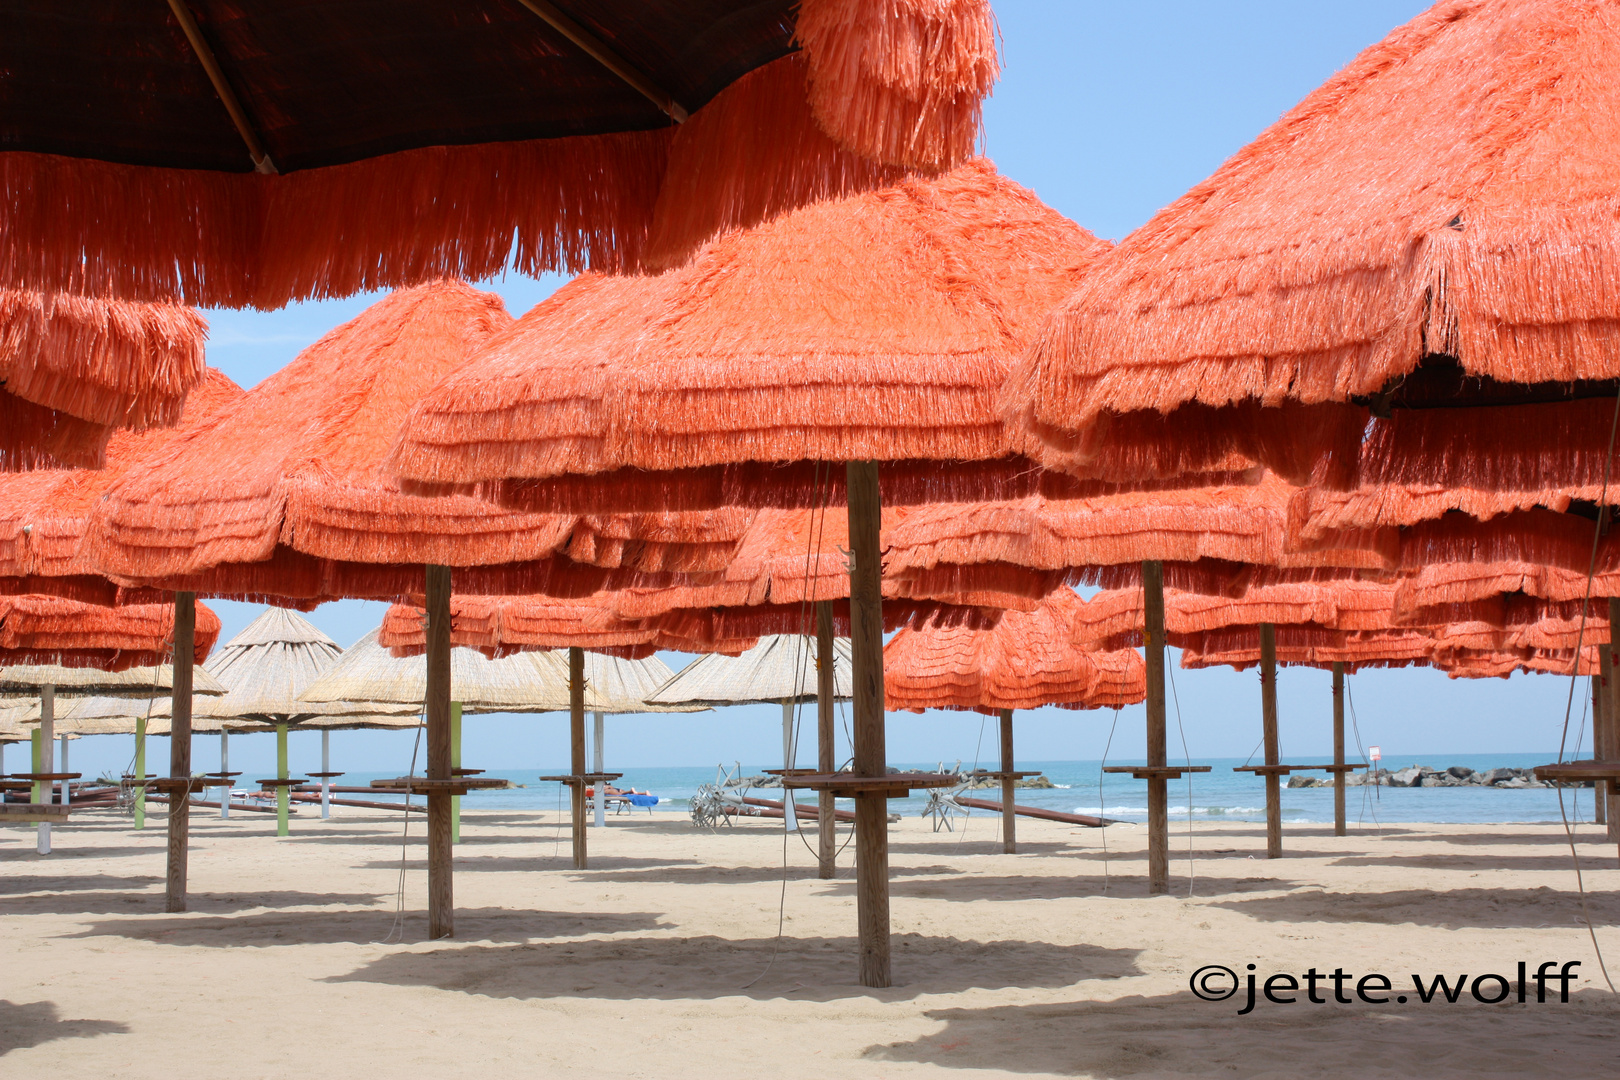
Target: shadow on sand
[(37, 1022), (151, 902), (1471, 908), (700, 968), (371, 926)]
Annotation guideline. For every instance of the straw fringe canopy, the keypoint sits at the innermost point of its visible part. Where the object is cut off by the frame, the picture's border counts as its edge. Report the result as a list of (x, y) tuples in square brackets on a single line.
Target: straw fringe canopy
[(74, 369), (282, 497), (876, 327), (269, 664), (51, 630), (367, 672), (45, 514), (136, 682), (782, 667), (479, 138), (1449, 195), (499, 626), (1029, 659)]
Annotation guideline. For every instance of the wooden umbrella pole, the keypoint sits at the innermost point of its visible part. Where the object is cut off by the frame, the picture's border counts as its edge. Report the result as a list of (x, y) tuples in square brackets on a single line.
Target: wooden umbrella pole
[(1338, 748), (871, 759), (47, 761), (576, 740), (185, 630), (282, 773), (436, 710), (1268, 719), (1009, 817), (1158, 788), (1611, 715), (826, 761)]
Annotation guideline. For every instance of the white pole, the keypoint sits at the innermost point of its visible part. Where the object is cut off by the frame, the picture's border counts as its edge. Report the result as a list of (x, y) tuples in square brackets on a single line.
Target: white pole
[(326, 767), (47, 750), (599, 801), (790, 814), (225, 767)]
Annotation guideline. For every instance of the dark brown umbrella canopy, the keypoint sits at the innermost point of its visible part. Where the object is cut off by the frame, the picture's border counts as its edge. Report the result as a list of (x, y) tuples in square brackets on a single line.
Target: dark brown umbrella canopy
[(249, 152)]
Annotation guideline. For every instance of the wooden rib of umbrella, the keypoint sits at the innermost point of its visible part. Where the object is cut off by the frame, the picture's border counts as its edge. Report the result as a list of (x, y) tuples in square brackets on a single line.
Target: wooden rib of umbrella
[(630, 136), (779, 669), (1029, 659), (1390, 263), (73, 370), (858, 342)]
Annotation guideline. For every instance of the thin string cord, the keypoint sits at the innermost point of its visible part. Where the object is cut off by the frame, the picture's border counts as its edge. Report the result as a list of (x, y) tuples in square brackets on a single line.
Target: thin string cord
[(1101, 806), (1367, 803), (978, 748), (398, 926), (1186, 756), (812, 557), (1574, 679)]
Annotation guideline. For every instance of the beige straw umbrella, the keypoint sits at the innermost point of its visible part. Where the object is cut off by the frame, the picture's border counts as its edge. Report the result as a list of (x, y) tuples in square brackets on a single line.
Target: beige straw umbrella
[(782, 668)]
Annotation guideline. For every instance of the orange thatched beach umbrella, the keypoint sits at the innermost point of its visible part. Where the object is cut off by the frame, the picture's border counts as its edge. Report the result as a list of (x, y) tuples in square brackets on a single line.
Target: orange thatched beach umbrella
[(45, 514), (74, 370), (1030, 658), (1290, 619), (1428, 228), (510, 132), (867, 330), (47, 639), (1222, 540), (51, 630)]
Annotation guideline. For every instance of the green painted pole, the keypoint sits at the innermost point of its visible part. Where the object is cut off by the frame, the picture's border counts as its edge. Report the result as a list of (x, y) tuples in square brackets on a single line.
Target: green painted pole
[(140, 772), (37, 767), (455, 763), (281, 774)]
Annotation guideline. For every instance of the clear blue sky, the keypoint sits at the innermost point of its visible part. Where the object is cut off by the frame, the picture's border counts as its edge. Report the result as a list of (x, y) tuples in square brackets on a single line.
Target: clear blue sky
[(1108, 111)]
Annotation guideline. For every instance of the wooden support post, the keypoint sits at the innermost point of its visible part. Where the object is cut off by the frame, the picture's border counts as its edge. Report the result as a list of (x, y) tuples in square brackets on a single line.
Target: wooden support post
[(1611, 715), (185, 645), (1600, 706), (1158, 752), (140, 772), (46, 736), (826, 760), (871, 758), (576, 741), (436, 711), (1009, 818), (455, 763), (1338, 748), (282, 773), (1268, 720)]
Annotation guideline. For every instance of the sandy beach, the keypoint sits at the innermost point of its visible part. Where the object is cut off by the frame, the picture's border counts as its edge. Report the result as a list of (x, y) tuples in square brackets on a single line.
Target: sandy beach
[(663, 960)]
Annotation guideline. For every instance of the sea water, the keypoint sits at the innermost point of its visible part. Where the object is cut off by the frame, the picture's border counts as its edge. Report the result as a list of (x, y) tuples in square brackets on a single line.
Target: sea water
[(1081, 787)]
